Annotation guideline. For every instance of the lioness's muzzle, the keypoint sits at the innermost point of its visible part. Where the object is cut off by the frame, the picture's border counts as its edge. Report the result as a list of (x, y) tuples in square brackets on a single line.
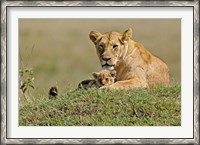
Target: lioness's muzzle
[(108, 67)]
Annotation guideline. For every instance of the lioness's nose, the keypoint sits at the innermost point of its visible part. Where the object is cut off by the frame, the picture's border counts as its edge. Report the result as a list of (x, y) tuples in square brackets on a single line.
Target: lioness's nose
[(105, 59)]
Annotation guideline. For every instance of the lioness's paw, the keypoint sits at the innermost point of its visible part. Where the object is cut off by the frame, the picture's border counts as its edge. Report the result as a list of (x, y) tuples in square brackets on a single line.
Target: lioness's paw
[(104, 87)]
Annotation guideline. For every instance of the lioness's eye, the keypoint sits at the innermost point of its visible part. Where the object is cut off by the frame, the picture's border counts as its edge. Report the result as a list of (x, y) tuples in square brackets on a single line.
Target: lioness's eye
[(106, 79), (115, 46), (100, 48)]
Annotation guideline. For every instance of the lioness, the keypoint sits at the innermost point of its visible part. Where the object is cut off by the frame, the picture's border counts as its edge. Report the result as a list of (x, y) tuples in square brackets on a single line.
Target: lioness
[(101, 78), (135, 66)]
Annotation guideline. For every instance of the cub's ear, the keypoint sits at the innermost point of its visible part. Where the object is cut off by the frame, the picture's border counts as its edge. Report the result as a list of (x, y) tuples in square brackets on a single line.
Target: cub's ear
[(95, 74), (126, 35), (113, 73), (94, 35)]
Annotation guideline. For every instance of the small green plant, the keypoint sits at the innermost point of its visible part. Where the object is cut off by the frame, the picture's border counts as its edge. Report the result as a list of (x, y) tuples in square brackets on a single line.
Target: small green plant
[(26, 76), (26, 80)]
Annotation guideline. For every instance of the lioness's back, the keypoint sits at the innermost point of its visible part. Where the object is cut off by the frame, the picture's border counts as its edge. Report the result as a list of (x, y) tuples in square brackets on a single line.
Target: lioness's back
[(158, 73)]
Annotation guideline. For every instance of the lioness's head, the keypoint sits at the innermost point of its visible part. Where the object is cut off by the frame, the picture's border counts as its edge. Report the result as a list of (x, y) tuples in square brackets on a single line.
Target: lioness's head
[(110, 46), (104, 77)]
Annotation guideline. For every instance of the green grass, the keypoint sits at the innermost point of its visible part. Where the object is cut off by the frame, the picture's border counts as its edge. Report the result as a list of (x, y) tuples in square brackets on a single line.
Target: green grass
[(160, 106)]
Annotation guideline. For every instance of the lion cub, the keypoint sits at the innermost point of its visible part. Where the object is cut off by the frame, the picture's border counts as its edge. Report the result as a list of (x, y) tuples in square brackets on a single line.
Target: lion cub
[(102, 78)]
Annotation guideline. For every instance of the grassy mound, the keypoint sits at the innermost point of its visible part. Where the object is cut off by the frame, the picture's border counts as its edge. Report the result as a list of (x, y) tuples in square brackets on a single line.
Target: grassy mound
[(160, 106)]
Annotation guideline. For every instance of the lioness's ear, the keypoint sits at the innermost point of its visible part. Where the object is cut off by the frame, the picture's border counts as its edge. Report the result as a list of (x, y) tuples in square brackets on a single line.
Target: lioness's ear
[(95, 74), (113, 73), (126, 35), (94, 35)]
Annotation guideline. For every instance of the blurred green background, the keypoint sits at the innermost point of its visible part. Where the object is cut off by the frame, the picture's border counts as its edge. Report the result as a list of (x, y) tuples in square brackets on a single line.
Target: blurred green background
[(61, 53)]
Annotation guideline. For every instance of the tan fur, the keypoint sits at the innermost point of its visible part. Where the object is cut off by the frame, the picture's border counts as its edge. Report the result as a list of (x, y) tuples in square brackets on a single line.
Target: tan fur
[(104, 78), (101, 78), (135, 66)]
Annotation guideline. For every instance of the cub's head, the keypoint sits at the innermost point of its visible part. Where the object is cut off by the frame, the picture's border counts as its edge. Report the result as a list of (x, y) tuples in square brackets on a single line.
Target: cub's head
[(110, 46), (104, 77)]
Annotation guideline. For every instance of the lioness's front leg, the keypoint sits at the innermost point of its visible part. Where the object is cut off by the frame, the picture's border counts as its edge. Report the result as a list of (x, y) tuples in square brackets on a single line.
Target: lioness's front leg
[(127, 84)]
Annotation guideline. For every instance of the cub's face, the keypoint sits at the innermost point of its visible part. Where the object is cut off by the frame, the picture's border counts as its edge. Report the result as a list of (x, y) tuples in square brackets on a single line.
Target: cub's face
[(110, 47), (104, 77)]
